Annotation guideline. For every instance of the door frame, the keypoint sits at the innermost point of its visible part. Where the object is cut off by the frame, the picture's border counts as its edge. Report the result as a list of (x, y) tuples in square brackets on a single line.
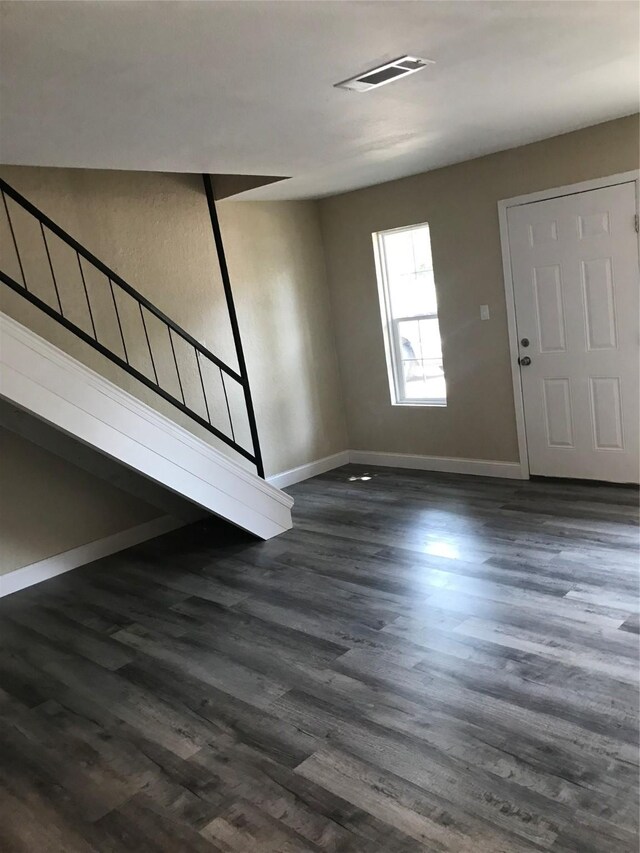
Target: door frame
[(503, 208)]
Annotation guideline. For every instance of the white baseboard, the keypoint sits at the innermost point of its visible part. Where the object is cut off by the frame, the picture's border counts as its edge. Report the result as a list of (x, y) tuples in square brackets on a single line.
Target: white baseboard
[(60, 563), (448, 464), (311, 469)]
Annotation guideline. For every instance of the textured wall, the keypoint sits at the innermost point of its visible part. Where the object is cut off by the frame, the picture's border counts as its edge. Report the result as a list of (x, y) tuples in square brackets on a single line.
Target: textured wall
[(460, 204), (277, 269)]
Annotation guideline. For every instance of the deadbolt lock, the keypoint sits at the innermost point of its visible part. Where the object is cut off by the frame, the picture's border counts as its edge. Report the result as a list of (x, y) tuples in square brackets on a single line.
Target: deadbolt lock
[(525, 342)]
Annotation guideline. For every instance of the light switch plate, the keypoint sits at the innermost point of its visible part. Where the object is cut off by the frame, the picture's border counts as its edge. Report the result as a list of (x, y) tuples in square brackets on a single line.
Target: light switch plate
[(484, 312)]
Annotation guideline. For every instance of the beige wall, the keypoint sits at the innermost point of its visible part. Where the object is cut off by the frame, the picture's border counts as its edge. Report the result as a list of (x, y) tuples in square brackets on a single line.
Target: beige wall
[(48, 506), (460, 204), (277, 269), (154, 230)]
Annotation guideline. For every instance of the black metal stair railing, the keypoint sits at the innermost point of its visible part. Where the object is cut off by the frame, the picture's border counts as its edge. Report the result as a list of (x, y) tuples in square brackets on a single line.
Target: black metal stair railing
[(189, 373)]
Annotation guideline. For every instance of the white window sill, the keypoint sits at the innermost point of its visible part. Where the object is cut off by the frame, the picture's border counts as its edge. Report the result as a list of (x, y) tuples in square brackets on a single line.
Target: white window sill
[(413, 404)]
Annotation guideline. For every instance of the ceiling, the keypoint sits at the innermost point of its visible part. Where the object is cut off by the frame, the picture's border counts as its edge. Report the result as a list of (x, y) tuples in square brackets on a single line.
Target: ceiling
[(247, 87)]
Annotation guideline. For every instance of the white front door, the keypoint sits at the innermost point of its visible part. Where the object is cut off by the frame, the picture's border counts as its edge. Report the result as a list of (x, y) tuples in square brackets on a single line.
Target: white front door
[(574, 263)]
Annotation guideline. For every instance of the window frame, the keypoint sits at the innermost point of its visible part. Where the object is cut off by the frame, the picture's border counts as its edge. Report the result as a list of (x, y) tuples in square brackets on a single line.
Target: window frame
[(390, 324)]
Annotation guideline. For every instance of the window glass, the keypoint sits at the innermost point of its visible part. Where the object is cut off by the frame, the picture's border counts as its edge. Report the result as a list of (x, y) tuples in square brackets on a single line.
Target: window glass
[(409, 307)]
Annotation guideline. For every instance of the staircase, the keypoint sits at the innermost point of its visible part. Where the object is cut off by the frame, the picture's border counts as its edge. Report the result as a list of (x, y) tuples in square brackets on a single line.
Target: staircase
[(51, 385)]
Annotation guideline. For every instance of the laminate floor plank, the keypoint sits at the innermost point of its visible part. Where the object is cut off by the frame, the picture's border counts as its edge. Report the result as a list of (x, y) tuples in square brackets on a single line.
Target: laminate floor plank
[(459, 742), (425, 663)]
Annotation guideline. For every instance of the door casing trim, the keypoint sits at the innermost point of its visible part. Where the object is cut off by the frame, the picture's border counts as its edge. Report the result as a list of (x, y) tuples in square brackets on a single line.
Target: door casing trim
[(503, 207)]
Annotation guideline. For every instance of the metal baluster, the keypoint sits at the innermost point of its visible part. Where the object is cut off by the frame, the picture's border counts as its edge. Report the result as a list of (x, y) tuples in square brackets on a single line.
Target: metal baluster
[(86, 293), (124, 346), (233, 319), (226, 399), (15, 242), (204, 393), (175, 360), (55, 283), (146, 334)]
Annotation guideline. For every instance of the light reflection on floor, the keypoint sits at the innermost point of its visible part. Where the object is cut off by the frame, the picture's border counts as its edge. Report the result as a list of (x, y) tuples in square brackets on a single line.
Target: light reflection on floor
[(442, 549)]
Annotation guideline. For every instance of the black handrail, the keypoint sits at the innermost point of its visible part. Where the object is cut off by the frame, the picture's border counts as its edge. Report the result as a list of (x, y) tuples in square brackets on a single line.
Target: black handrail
[(57, 313)]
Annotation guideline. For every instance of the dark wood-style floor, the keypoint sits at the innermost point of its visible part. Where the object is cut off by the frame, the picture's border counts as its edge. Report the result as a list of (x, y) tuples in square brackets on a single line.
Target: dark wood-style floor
[(425, 663)]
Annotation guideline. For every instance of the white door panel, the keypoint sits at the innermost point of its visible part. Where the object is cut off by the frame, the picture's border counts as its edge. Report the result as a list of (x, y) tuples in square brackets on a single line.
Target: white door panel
[(574, 263)]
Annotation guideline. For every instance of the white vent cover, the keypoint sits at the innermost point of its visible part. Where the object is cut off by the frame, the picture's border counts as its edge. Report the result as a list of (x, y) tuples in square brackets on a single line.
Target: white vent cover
[(384, 74)]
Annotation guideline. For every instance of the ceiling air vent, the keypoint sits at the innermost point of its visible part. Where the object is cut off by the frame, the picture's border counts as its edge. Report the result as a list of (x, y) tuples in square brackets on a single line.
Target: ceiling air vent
[(384, 74)]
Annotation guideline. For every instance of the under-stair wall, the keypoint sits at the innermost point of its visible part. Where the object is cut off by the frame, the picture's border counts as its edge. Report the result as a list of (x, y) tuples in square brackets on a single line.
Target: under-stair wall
[(36, 524)]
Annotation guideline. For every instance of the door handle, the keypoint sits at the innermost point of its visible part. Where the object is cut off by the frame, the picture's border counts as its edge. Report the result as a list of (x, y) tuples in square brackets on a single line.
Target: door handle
[(525, 361)]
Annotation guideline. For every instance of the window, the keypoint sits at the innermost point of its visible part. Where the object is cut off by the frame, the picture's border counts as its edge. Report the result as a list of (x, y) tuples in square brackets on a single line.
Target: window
[(409, 310)]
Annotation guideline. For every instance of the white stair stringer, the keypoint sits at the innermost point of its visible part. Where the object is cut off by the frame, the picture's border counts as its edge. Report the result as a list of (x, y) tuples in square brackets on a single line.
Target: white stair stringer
[(55, 387)]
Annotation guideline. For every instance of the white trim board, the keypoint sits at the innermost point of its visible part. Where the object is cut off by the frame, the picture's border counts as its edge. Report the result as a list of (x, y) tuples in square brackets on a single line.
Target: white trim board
[(40, 378), (503, 206), (83, 554), (311, 469), (445, 464)]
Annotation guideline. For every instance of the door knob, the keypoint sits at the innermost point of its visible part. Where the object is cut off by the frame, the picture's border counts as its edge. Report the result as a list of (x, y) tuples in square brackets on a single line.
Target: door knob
[(525, 361)]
